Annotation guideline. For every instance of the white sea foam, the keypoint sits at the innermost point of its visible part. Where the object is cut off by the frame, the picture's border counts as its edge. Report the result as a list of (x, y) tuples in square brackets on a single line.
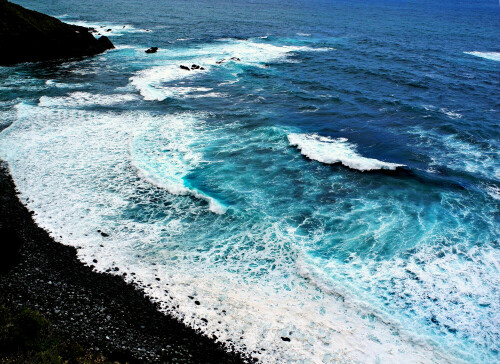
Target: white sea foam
[(451, 151), (493, 191), (82, 99), (109, 29), (209, 94), (72, 168), (53, 83), (164, 155), (493, 56), (330, 151), (152, 83), (449, 113), (8, 113), (127, 46), (443, 286)]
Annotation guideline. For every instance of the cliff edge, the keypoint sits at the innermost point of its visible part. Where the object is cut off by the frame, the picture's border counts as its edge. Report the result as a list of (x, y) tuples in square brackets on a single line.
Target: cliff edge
[(30, 36)]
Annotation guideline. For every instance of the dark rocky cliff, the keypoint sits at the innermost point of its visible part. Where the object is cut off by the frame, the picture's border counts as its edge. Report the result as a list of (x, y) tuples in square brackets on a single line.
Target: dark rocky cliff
[(30, 36)]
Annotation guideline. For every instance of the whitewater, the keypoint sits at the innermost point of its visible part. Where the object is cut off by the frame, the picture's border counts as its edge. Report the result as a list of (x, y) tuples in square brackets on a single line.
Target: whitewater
[(314, 194)]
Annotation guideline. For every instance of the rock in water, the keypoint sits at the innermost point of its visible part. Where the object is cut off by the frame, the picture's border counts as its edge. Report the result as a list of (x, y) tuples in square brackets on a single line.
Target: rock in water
[(105, 43), (185, 67), (30, 36), (152, 50)]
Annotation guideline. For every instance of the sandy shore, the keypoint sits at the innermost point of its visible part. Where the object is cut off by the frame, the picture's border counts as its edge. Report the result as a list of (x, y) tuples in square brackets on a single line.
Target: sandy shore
[(98, 311)]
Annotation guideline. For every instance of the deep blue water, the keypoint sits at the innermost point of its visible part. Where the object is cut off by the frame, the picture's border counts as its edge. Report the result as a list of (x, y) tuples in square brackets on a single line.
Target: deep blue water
[(338, 183)]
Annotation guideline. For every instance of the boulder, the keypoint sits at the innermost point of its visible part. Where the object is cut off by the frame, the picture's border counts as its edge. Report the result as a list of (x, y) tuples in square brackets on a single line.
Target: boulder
[(105, 43), (152, 50), (185, 67)]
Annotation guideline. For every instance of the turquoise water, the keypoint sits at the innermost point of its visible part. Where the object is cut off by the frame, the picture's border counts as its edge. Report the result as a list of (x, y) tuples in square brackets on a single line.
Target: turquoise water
[(337, 184)]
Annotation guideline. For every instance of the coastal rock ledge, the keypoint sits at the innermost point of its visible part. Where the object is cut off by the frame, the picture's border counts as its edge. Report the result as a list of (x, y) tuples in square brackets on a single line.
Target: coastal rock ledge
[(30, 36)]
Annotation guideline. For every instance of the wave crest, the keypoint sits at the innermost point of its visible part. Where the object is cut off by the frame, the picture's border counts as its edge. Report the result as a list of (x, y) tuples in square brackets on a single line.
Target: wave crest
[(331, 151), (151, 83), (493, 56)]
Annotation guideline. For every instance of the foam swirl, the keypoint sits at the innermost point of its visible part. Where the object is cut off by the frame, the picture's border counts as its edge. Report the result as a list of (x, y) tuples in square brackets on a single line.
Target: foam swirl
[(163, 153)]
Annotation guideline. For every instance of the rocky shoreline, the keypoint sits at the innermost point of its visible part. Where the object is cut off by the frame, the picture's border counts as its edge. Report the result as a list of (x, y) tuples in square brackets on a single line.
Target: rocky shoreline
[(30, 36), (100, 312)]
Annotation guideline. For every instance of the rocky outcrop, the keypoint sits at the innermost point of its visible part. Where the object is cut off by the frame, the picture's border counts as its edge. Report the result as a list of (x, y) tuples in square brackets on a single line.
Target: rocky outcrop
[(197, 67), (30, 36), (152, 50)]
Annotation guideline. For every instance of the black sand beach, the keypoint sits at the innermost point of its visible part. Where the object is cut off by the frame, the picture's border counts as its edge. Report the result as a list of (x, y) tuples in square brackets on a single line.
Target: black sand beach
[(98, 311)]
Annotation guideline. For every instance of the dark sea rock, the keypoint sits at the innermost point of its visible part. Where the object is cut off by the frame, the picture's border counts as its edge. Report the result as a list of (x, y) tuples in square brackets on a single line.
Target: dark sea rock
[(152, 50), (185, 67), (105, 43), (30, 36), (98, 311)]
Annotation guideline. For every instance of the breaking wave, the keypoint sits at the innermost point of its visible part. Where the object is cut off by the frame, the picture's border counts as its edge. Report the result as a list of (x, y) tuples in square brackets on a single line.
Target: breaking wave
[(108, 29), (493, 56), (161, 82), (331, 151), (164, 153)]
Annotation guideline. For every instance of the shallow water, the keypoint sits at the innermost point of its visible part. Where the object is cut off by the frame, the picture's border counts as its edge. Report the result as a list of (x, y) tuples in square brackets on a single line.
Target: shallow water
[(338, 185)]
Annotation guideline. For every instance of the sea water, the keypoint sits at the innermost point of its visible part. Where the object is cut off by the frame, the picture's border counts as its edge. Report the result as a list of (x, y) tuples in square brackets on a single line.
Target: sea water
[(331, 194)]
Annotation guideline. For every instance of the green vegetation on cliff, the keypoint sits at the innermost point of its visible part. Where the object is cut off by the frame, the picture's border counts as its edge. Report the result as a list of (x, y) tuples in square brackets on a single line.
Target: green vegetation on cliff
[(27, 337)]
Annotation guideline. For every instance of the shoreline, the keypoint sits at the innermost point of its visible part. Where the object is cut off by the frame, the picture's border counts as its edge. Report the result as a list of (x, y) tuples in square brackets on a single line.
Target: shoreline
[(98, 311)]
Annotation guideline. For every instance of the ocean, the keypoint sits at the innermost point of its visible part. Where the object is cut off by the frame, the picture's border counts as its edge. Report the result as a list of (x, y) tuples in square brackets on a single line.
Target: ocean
[(326, 189)]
